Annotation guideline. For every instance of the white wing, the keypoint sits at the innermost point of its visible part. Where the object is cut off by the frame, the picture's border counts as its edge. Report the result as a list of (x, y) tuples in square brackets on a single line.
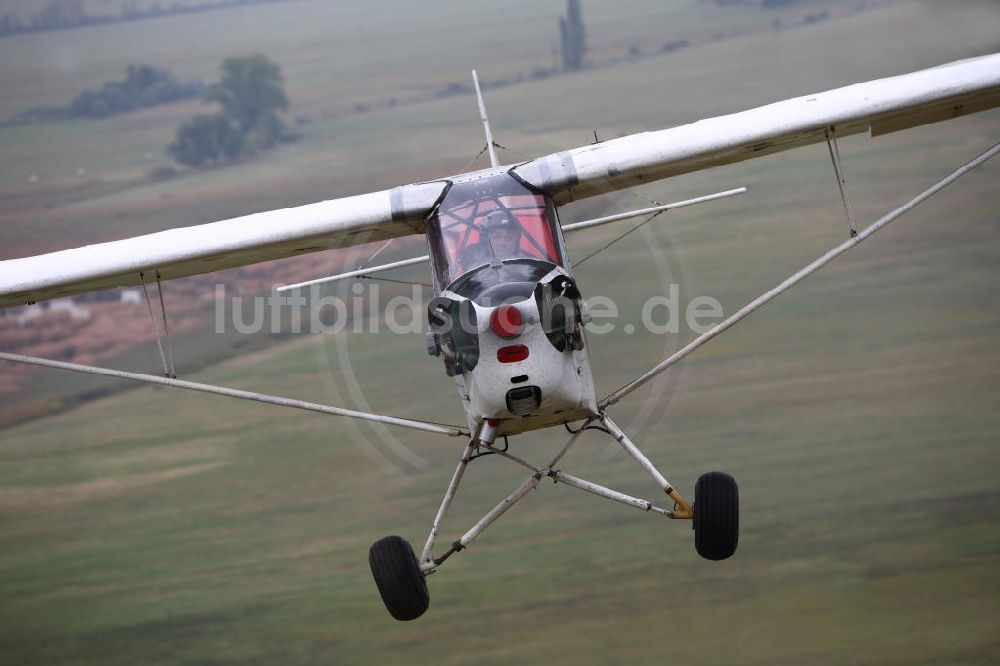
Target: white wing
[(210, 247), (881, 106), (884, 105)]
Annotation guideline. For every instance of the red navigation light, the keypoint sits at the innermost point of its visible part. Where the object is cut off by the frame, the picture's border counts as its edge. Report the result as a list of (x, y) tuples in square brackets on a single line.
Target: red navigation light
[(507, 322), (512, 354)]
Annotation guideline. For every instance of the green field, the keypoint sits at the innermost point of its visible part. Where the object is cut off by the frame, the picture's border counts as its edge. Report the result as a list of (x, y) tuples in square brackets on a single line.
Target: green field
[(859, 413)]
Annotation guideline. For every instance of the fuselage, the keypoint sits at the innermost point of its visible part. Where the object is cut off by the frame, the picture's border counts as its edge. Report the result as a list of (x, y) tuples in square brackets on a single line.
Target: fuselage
[(507, 317)]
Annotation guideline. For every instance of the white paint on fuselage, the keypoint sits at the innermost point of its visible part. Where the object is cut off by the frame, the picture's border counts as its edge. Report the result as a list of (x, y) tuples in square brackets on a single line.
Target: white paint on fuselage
[(564, 378)]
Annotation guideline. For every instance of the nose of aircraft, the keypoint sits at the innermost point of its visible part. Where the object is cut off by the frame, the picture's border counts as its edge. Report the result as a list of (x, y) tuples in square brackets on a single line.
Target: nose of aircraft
[(507, 321)]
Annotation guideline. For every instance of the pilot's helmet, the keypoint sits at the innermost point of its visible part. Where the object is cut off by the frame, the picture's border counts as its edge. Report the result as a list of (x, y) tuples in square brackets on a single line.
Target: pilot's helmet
[(500, 219)]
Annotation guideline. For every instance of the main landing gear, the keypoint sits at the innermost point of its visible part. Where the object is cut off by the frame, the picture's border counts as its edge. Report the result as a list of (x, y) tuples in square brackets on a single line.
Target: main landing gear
[(716, 516), (399, 579), (401, 576)]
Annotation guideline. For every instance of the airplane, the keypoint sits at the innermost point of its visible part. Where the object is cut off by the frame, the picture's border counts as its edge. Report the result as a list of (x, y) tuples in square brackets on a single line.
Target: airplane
[(508, 320)]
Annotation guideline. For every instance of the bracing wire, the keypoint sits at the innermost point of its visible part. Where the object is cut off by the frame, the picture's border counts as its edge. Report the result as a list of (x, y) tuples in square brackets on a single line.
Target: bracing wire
[(156, 328), (618, 238), (385, 279)]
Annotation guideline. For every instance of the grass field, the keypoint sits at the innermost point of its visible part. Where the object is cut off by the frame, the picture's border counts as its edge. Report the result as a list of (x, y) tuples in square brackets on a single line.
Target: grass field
[(859, 413)]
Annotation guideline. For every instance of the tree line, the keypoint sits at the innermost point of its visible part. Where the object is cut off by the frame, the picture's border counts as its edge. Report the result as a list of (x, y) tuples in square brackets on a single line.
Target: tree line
[(67, 14), (143, 85)]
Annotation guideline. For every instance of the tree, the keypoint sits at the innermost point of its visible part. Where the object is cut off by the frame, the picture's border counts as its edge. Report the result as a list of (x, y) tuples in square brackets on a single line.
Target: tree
[(206, 139), (252, 93), (572, 37)]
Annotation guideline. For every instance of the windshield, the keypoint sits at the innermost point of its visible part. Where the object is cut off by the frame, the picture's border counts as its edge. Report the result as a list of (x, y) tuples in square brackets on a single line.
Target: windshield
[(491, 220)]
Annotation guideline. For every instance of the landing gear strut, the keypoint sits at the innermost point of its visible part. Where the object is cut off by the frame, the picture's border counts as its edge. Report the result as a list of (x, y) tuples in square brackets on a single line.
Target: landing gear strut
[(401, 576)]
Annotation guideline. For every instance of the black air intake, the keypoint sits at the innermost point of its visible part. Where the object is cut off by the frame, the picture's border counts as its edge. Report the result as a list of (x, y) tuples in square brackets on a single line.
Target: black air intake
[(524, 400)]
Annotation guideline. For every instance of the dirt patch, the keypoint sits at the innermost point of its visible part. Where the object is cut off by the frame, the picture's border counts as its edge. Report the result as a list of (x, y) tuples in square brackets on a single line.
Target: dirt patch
[(50, 496)]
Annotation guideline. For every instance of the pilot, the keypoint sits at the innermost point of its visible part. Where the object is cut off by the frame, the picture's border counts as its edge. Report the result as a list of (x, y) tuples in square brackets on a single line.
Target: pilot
[(503, 235), (499, 238)]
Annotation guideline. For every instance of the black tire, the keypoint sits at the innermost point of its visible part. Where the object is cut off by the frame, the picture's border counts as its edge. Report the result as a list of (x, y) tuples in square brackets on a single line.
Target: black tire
[(397, 575), (716, 515)]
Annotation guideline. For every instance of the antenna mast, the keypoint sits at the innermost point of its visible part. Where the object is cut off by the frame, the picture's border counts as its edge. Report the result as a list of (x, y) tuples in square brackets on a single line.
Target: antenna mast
[(486, 122)]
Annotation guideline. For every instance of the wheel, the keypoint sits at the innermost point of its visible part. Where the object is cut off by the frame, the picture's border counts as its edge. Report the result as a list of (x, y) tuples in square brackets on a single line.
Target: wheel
[(716, 515), (397, 575)]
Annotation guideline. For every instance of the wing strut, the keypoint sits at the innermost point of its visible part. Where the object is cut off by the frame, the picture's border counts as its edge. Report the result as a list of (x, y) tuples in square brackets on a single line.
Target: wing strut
[(831, 143), (451, 431), (586, 224), (790, 282)]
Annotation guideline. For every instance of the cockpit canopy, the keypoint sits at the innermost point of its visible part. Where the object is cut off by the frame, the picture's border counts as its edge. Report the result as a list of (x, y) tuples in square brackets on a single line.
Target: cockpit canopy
[(489, 222)]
